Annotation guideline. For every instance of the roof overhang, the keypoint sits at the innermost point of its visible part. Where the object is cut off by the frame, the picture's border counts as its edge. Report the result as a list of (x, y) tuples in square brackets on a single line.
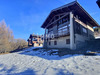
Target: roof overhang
[(98, 2), (73, 6)]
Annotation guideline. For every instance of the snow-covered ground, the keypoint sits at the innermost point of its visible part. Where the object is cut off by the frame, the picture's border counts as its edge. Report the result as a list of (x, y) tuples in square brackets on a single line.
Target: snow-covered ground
[(29, 62), (97, 37)]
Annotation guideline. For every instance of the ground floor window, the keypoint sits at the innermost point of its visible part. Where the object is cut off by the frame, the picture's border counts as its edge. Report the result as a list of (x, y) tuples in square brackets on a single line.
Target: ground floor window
[(55, 42), (49, 43), (67, 41)]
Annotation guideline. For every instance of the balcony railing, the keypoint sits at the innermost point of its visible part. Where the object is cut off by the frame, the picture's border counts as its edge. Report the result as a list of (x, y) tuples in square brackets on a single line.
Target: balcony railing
[(57, 35), (63, 33)]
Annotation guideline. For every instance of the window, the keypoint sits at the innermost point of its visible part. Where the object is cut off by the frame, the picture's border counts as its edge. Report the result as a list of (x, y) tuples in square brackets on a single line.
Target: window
[(34, 39), (67, 41), (84, 31), (49, 43), (46, 31), (63, 30), (78, 29), (57, 17), (61, 15), (42, 38), (60, 22), (65, 19), (50, 34), (55, 42)]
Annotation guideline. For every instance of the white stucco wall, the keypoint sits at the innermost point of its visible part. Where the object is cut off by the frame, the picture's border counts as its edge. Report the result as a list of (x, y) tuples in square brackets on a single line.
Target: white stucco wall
[(61, 43), (41, 45), (36, 45)]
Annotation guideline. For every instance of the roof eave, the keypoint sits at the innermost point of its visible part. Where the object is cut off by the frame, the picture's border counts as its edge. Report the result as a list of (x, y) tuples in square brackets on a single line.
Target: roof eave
[(87, 14), (67, 5)]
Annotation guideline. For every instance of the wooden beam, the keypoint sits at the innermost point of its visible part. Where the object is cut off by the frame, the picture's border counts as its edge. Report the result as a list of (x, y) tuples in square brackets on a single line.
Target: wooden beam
[(57, 20)]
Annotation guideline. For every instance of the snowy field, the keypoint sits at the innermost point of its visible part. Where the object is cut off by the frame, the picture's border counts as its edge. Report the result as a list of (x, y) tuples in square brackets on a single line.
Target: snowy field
[(29, 62)]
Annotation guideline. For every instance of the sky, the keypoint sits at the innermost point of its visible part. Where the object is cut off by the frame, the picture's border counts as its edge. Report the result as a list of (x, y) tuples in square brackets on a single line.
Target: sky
[(25, 17)]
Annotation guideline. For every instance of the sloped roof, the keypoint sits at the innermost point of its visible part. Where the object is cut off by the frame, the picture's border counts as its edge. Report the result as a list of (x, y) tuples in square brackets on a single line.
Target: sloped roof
[(73, 6)]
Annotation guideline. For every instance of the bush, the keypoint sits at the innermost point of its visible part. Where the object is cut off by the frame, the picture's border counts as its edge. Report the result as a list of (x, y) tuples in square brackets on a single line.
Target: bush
[(20, 43)]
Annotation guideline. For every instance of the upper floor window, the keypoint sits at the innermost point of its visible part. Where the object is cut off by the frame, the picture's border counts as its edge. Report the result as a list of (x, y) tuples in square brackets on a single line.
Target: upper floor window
[(42, 38), (84, 31), (46, 31), (63, 30), (61, 15), (60, 22), (63, 20), (78, 28), (34, 39), (50, 34), (57, 17)]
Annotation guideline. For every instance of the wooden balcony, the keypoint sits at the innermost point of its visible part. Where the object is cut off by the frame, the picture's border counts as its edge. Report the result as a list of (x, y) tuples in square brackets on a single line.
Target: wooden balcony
[(57, 35), (64, 33)]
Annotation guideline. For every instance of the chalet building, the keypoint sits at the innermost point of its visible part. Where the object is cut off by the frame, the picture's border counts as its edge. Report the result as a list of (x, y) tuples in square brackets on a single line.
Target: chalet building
[(68, 26), (35, 40)]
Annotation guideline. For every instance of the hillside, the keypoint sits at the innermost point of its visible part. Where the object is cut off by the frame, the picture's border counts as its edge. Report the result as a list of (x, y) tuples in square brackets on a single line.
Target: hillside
[(39, 62)]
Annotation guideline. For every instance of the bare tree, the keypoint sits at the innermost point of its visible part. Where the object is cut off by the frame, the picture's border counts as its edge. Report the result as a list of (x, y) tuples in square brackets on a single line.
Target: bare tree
[(5, 35), (7, 41), (21, 43)]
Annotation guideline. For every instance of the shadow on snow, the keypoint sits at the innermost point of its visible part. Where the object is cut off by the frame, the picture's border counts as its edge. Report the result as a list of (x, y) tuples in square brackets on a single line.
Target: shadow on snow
[(6, 71)]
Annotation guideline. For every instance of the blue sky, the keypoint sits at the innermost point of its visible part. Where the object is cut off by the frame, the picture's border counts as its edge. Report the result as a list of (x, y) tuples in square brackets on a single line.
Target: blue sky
[(26, 16)]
